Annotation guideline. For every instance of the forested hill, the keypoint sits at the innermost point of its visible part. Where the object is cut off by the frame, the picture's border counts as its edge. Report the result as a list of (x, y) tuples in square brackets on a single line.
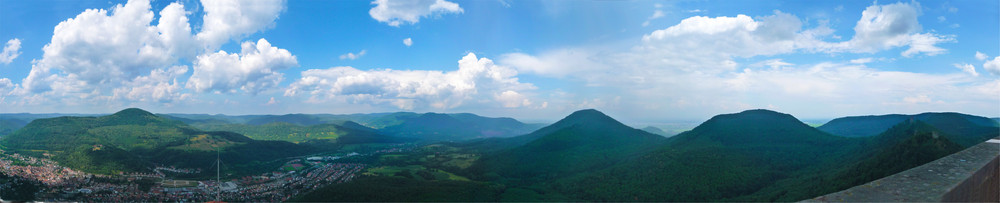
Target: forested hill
[(754, 155), (965, 129), (906, 145), (346, 132), (134, 140), (725, 158), (585, 140)]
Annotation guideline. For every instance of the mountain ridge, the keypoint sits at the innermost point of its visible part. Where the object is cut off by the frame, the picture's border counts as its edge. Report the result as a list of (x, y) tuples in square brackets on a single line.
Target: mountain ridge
[(134, 140), (582, 141), (963, 129), (732, 151)]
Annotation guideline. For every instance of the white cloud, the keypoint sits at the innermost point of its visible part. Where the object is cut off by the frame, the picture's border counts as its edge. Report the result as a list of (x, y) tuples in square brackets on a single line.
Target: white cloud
[(98, 51), (862, 60), (10, 51), (512, 99), (942, 19), (981, 56), (656, 14), (227, 20), (695, 11), (894, 25), (710, 44), (253, 70), (272, 101), (411, 89), (967, 68), (395, 13), (352, 56), (773, 63), (5, 87), (917, 99), (845, 87), (408, 41), (925, 42), (175, 32), (993, 66), (159, 86), (557, 63)]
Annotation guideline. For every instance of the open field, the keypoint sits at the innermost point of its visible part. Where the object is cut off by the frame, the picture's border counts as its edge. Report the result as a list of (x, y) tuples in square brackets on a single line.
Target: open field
[(179, 183)]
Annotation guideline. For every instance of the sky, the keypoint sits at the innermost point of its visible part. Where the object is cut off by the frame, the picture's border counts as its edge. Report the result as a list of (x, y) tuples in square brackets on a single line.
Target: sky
[(638, 61)]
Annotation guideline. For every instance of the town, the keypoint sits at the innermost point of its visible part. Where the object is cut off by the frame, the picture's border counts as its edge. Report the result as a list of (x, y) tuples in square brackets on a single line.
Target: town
[(64, 184)]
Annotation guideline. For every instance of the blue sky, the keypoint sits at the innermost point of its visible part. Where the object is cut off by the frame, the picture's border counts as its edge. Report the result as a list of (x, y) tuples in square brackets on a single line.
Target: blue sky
[(639, 61)]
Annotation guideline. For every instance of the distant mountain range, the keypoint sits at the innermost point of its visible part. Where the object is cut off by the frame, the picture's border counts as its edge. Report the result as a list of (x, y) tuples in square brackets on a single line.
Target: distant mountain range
[(345, 132), (755, 155), (426, 126), (963, 129), (725, 158), (134, 140)]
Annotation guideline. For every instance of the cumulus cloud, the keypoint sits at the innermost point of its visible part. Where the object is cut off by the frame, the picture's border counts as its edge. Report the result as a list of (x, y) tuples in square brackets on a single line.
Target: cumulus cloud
[(894, 25), (993, 66), (981, 56), (119, 55), (395, 13), (159, 86), (175, 32), (512, 99), (227, 20), (740, 36), (5, 86), (253, 70), (99, 50), (413, 89), (408, 41), (10, 51), (352, 56), (96, 47), (967, 68)]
